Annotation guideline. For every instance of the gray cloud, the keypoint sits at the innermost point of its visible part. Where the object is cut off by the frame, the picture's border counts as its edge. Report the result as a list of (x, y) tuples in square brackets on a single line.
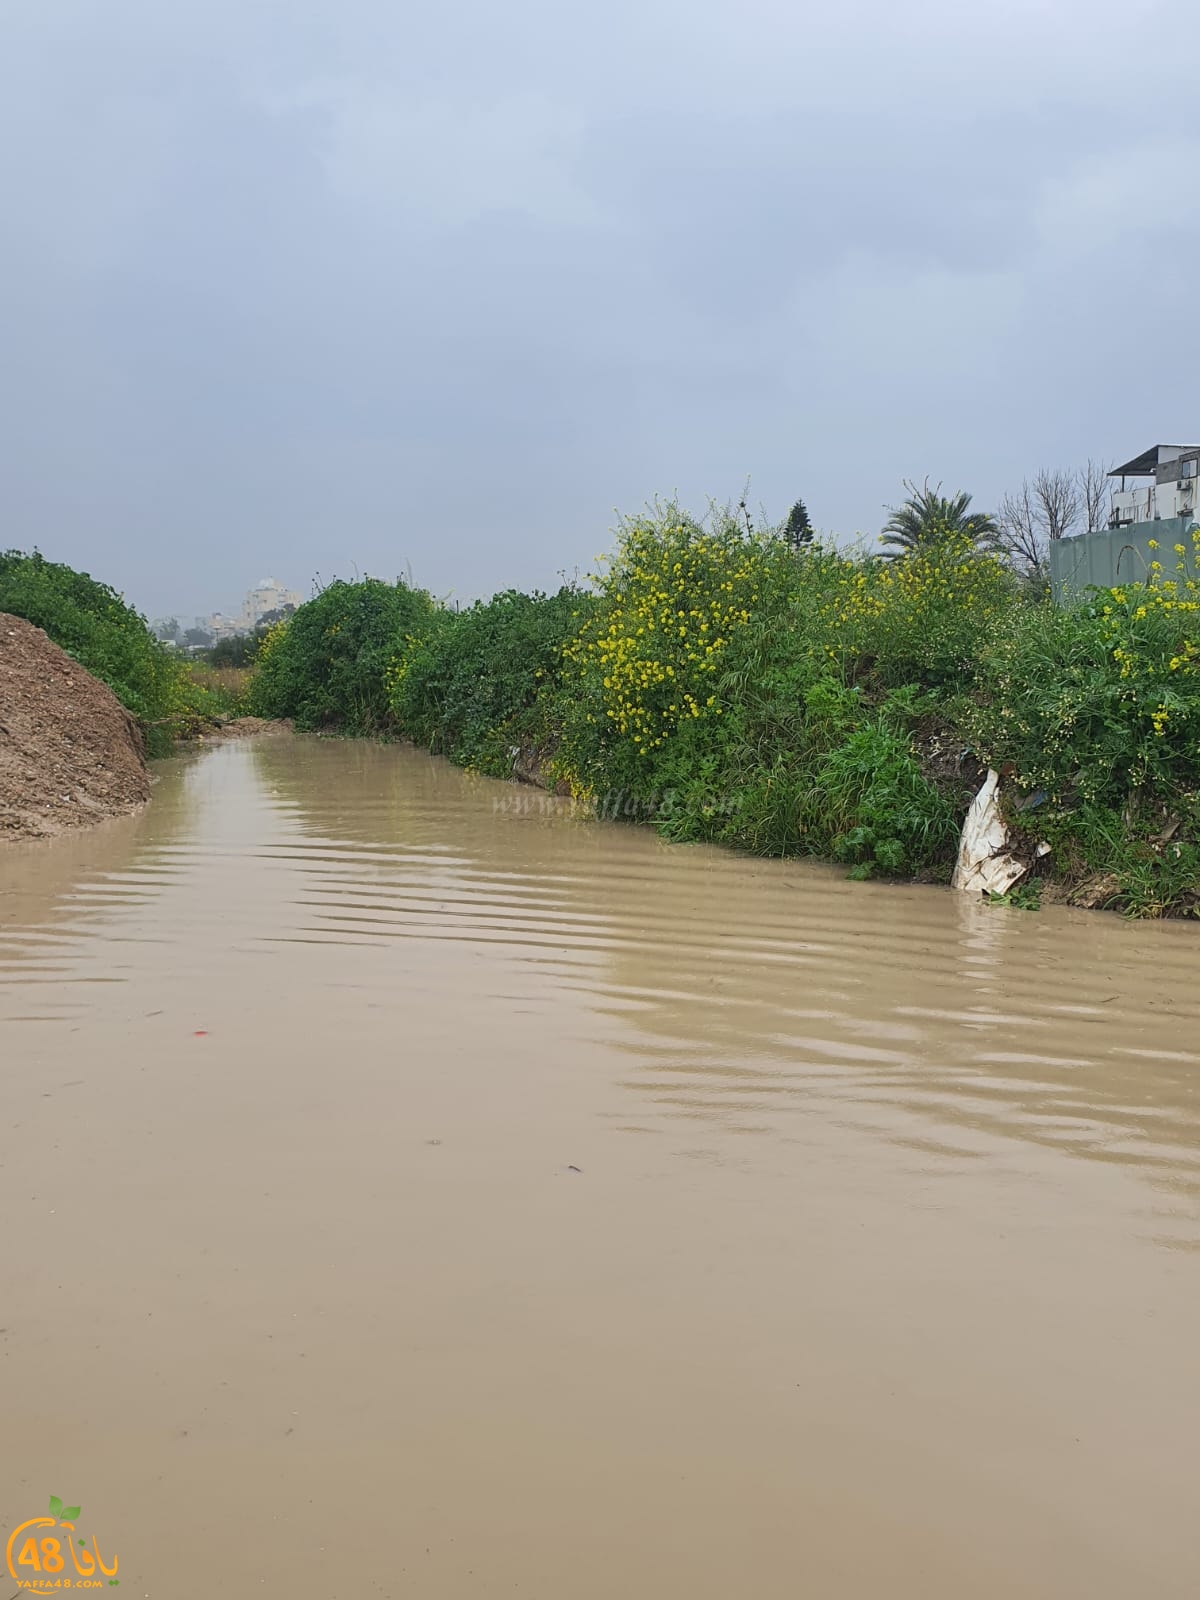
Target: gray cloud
[(307, 287)]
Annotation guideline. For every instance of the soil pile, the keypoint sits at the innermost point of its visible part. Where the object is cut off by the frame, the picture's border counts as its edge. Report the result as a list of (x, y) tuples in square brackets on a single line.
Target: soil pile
[(70, 754)]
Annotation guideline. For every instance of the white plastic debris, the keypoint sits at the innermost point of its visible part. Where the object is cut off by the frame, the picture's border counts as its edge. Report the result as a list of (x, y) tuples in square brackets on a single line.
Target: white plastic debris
[(984, 865)]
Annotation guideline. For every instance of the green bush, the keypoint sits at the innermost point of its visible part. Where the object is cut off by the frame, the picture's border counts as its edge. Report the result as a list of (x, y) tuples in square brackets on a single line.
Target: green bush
[(809, 765), (918, 619), (1098, 701), (646, 660), (237, 652), (328, 665), (109, 638), (888, 817), (470, 685), (1097, 708), (712, 690)]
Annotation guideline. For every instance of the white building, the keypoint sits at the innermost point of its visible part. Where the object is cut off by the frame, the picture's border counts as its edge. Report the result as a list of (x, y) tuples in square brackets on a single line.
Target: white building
[(218, 626), (267, 596), (1172, 471)]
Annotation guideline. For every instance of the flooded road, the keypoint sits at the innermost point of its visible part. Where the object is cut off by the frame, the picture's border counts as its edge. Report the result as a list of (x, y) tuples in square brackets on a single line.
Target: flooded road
[(406, 1194)]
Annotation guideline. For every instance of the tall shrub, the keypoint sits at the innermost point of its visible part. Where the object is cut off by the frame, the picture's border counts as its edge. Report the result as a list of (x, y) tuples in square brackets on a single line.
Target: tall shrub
[(470, 685), (327, 666), (646, 660)]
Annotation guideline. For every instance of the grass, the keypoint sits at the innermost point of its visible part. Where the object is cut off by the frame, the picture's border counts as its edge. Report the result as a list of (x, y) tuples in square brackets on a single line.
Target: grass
[(228, 688)]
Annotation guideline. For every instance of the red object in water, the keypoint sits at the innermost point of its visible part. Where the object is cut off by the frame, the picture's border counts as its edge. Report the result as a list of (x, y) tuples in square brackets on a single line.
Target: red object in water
[(200, 1033)]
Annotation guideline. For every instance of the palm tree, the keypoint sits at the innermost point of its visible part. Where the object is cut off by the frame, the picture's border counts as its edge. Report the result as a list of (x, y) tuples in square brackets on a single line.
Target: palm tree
[(926, 519)]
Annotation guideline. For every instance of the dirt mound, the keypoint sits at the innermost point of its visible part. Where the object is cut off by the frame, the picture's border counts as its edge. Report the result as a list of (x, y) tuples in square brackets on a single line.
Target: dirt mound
[(70, 753)]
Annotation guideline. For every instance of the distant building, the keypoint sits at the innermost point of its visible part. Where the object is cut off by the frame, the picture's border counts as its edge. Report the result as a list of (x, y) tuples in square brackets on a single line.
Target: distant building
[(265, 597), (1153, 510), (1172, 470), (218, 626), (263, 600)]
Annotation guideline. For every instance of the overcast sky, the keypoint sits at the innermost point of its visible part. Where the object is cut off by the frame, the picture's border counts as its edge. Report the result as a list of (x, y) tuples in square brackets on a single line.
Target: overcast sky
[(322, 286)]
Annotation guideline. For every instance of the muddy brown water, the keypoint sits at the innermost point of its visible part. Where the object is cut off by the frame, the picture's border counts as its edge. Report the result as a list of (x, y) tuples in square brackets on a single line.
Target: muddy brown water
[(879, 1274)]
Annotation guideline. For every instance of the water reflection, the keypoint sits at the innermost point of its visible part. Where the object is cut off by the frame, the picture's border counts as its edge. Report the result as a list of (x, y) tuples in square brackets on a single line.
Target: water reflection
[(743, 996), (750, 995)]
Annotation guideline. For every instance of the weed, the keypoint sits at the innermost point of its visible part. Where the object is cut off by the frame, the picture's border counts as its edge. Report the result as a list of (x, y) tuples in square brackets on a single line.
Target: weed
[(1025, 896)]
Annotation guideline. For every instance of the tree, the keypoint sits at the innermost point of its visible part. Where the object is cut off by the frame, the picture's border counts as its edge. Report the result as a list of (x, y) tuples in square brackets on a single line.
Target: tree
[(236, 650), (1021, 534), (1057, 498), (270, 618), (1094, 491), (1051, 508), (197, 638), (926, 519), (798, 530)]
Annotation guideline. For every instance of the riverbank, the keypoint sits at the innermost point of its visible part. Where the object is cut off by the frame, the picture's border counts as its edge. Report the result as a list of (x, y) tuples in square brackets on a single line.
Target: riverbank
[(731, 687), (727, 687)]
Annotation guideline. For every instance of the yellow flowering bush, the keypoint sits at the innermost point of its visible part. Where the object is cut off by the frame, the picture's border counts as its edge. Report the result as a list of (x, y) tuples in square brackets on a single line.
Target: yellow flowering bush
[(1100, 700), (711, 686), (921, 618), (648, 658)]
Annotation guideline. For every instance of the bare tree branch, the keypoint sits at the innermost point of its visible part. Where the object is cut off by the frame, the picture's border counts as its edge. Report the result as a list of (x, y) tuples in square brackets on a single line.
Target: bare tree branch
[(1056, 501), (1021, 533), (1094, 494), (1052, 507)]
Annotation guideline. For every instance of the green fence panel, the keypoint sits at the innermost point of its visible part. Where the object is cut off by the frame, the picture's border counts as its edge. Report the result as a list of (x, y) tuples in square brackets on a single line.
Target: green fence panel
[(1120, 555)]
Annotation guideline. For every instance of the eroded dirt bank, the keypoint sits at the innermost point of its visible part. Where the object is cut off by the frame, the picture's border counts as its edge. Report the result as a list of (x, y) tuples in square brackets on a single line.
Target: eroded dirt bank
[(70, 753)]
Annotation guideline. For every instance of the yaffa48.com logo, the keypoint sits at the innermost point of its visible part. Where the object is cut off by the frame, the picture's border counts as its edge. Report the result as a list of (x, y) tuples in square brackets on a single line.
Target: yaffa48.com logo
[(38, 1557)]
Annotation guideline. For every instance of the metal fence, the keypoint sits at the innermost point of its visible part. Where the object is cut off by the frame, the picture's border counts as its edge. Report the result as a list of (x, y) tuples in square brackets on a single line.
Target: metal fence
[(1121, 555)]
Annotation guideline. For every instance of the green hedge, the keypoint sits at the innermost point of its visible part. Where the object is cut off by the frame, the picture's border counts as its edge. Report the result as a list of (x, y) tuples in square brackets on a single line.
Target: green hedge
[(328, 665)]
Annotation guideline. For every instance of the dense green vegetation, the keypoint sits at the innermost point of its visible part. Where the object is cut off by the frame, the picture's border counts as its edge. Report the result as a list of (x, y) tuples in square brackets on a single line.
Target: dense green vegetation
[(757, 689), (238, 651), (744, 691), (328, 665), (765, 691), (484, 683), (113, 641)]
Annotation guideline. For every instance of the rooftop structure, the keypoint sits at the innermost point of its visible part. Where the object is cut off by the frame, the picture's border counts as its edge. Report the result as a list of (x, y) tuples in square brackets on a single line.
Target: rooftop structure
[(1173, 470)]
